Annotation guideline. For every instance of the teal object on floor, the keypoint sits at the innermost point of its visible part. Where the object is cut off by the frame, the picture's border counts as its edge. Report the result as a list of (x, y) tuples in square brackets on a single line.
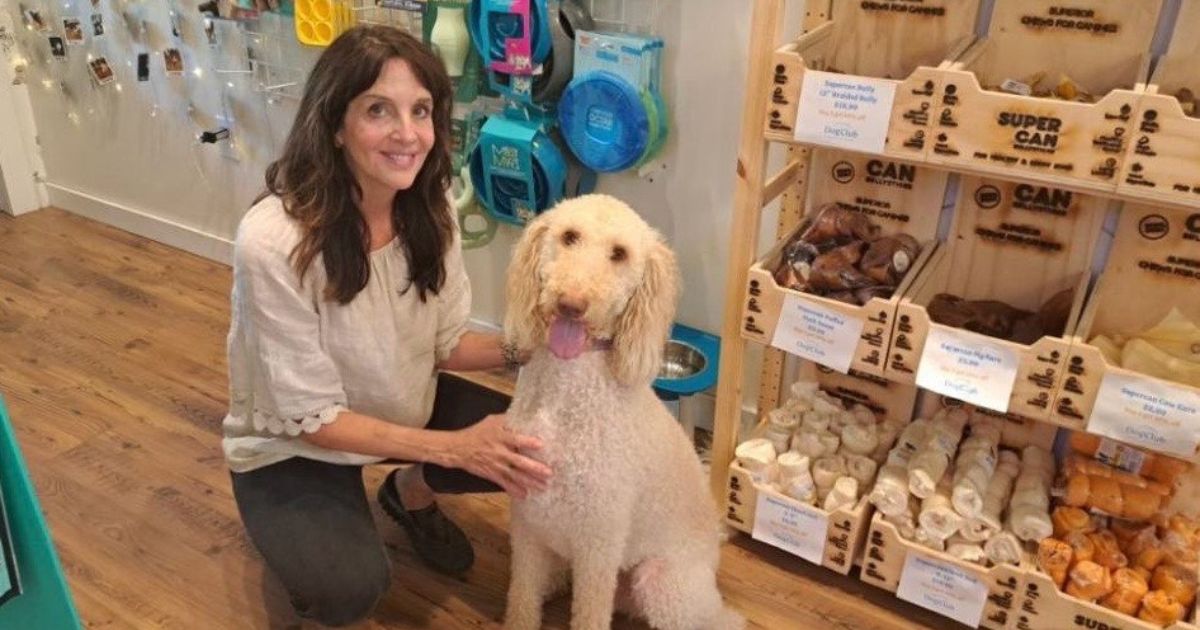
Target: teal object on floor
[(45, 602), (690, 364)]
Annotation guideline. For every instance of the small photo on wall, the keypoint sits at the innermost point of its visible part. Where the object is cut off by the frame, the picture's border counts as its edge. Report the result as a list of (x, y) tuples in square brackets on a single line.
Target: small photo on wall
[(58, 48), (97, 25), (33, 17), (173, 61), (73, 30), (143, 67), (101, 71)]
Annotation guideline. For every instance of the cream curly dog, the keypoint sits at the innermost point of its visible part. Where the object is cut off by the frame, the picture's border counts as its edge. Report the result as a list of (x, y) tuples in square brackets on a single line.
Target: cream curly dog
[(591, 294)]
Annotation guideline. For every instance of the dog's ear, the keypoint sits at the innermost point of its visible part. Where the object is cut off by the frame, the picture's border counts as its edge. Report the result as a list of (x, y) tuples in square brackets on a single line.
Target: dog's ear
[(642, 329), (523, 326)]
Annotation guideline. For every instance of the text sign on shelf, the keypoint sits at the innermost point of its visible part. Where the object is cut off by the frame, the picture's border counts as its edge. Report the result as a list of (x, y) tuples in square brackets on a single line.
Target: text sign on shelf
[(817, 333), (968, 367), (844, 111), (1147, 412), (794, 527), (942, 587)]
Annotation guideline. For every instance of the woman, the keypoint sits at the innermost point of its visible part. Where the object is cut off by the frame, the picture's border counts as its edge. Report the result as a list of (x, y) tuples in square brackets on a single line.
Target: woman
[(349, 294)]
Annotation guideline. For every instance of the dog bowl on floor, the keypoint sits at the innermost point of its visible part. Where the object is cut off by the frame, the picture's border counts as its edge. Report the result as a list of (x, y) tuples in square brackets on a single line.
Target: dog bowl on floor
[(689, 363)]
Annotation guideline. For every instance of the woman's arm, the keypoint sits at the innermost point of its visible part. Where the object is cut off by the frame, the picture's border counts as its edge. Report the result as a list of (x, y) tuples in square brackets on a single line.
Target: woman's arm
[(487, 449), (475, 351)]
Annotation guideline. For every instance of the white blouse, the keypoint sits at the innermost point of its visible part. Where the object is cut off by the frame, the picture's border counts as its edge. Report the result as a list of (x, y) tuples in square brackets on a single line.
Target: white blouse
[(297, 360)]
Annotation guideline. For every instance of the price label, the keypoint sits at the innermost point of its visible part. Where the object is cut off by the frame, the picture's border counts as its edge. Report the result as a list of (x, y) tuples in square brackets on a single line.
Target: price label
[(966, 366), (817, 333), (942, 587), (794, 527), (845, 111), (1147, 412)]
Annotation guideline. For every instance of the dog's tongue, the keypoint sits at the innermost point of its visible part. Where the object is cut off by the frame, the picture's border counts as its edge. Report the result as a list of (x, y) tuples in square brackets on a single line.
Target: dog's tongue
[(568, 337)]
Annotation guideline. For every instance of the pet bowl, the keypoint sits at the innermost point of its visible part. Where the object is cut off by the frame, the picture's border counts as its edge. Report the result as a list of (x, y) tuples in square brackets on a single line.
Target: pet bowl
[(689, 363), (681, 360)]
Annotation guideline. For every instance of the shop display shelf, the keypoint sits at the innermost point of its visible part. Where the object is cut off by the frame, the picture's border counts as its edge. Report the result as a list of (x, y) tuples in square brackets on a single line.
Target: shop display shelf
[(1020, 244), (877, 40), (896, 196)]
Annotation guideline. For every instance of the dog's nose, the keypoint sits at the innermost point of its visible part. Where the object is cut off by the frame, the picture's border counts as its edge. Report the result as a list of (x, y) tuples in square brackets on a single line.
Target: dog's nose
[(572, 308)]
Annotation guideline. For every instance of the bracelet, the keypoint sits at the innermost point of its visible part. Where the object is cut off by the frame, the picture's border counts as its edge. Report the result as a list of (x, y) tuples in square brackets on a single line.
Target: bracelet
[(510, 354)]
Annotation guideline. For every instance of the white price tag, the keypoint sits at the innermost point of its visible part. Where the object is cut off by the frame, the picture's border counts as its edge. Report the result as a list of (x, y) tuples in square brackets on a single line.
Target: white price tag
[(1147, 412), (968, 367), (845, 111), (820, 334), (794, 527), (942, 587)]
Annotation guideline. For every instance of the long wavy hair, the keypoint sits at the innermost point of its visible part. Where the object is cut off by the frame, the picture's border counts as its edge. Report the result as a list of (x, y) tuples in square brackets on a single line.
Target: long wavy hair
[(318, 190)]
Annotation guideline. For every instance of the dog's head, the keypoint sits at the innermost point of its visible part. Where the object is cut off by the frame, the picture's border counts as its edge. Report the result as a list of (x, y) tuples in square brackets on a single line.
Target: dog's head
[(589, 270)]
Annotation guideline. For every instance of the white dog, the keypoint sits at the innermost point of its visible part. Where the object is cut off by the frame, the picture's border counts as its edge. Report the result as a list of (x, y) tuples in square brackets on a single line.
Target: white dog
[(591, 293)]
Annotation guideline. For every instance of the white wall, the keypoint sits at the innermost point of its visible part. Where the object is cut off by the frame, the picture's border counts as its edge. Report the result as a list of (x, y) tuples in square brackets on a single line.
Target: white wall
[(20, 162)]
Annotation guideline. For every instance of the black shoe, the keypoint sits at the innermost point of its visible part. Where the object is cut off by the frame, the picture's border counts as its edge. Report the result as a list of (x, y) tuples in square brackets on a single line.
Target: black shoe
[(437, 540)]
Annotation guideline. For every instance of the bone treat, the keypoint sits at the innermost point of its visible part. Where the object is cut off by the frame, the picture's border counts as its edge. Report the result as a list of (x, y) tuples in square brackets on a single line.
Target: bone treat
[(1128, 590), (890, 494), (843, 494), (938, 516), (781, 424), (889, 431), (1108, 552), (988, 522), (1178, 582), (1029, 510), (1088, 581), (1003, 548), (859, 439), (756, 456), (862, 469), (792, 466), (930, 462), (1054, 558), (1067, 519), (826, 471), (966, 550), (976, 462), (1160, 608), (809, 444)]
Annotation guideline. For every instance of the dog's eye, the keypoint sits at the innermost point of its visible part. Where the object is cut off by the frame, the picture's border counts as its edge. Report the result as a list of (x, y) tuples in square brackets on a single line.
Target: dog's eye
[(618, 254), (570, 237)]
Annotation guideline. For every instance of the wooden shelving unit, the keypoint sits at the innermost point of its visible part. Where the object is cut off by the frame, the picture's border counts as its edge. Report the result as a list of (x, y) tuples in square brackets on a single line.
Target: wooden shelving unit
[(773, 64)]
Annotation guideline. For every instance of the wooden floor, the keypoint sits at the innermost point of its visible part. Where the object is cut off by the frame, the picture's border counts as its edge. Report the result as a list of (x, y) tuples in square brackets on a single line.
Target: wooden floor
[(113, 369)]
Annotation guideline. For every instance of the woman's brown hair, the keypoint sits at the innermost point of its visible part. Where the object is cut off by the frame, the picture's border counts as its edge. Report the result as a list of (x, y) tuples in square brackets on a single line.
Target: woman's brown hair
[(314, 180)]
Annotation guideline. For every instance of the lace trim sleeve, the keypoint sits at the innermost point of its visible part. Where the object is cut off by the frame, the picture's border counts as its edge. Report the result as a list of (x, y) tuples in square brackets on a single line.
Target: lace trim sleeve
[(308, 423)]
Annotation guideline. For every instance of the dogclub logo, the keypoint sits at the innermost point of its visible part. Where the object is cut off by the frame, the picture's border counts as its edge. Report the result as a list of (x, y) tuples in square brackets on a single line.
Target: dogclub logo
[(1033, 133)]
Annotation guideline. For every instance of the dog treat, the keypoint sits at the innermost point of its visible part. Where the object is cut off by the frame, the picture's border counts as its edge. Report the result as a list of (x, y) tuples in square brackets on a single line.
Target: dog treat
[(802, 488), (1065, 89), (938, 516), (862, 469), (756, 456), (1160, 608), (843, 495), (1055, 557), (1082, 547), (859, 439), (815, 422), (1176, 581), (888, 432), (1029, 515), (1128, 590), (966, 550), (1149, 558), (841, 255), (1088, 581), (929, 463), (976, 462), (988, 522), (791, 466), (1112, 497), (1067, 519), (1003, 548), (1170, 350), (781, 423), (826, 471), (999, 320), (1107, 553), (924, 538)]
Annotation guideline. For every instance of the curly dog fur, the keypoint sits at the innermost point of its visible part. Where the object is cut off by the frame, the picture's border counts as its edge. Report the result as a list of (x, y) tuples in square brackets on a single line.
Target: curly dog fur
[(628, 502)]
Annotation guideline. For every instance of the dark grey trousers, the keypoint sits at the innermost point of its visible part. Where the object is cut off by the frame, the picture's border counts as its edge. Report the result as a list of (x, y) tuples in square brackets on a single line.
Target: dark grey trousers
[(311, 522)]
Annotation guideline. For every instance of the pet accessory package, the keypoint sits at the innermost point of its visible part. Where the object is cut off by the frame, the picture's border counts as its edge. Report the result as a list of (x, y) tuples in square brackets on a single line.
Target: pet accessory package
[(612, 114), (544, 83), (319, 22), (512, 36), (516, 169)]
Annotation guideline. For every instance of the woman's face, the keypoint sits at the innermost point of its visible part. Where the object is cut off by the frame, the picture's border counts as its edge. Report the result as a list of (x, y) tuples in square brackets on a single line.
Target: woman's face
[(388, 132)]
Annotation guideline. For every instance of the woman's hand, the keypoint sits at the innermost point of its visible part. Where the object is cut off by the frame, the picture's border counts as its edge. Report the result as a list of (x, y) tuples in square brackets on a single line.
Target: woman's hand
[(490, 449)]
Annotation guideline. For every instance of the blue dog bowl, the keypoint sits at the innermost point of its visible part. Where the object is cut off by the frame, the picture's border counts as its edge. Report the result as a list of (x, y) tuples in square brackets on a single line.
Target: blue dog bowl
[(689, 363)]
